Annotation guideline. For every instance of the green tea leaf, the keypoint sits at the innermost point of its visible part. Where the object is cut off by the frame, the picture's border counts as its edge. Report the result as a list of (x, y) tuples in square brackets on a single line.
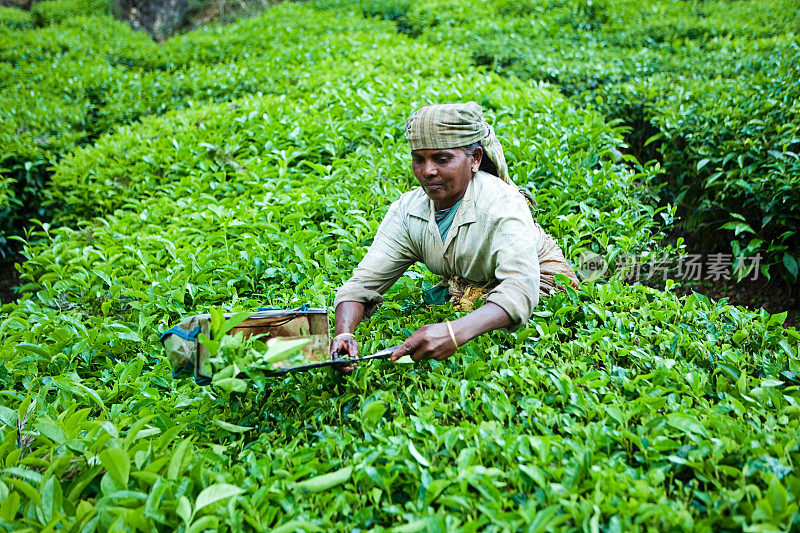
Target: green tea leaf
[(184, 509), (50, 430), (8, 416), (205, 523), (24, 473), (776, 495), (280, 349), (418, 456), (234, 321), (52, 498), (293, 526), (412, 527), (117, 464), (179, 459), (372, 413), (686, 424), (230, 384), (233, 428), (326, 481), (215, 493), (791, 264)]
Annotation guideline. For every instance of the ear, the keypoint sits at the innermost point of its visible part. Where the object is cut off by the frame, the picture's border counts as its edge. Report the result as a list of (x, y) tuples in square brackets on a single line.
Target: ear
[(477, 157)]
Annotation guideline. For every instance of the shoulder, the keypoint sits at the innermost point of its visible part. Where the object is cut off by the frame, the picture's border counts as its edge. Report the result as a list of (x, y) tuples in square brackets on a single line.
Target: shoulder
[(495, 198), (398, 218), (414, 202)]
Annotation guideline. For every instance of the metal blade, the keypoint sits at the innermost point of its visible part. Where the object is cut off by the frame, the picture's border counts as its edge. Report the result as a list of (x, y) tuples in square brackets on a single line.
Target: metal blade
[(337, 361)]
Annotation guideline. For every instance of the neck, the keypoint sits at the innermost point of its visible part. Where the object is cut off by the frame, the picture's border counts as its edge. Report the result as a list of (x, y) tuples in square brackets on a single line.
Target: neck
[(444, 204), (450, 202)]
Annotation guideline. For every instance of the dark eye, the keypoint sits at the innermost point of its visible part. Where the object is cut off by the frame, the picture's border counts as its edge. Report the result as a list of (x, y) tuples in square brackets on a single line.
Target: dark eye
[(442, 159)]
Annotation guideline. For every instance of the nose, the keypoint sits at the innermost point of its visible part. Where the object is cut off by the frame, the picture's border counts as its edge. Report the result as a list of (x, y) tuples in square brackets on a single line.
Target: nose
[(429, 168)]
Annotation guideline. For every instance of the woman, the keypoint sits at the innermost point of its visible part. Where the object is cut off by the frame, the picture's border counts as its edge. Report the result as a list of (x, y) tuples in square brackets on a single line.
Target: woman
[(470, 227)]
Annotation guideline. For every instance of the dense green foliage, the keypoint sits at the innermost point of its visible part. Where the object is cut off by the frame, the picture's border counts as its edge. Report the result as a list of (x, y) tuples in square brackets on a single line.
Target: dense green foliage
[(617, 407), (74, 84), (55, 11), (739, 141), (710, 88), (14, 19), (86, 75)]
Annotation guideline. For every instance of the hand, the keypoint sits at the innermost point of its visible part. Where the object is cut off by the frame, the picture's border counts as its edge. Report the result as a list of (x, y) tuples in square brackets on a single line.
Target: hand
[(428, 342), (346, 347)]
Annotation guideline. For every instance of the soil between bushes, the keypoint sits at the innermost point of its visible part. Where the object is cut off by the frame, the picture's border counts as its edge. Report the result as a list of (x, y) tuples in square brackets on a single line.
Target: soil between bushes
[(776, 295), (9, 278)]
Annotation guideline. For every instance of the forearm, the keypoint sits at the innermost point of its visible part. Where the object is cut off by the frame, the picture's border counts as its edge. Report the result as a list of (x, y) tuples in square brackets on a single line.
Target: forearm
[(348, 316), (434, 341), (486, 318)]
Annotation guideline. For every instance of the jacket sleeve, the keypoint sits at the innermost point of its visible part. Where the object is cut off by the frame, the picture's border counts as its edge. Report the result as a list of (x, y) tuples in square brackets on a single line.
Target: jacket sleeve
[(390, 254), (514, 248)]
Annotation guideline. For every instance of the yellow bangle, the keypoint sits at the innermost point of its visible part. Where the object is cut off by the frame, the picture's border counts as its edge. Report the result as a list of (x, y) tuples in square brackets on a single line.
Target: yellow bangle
[(340, 335), (452, 335)]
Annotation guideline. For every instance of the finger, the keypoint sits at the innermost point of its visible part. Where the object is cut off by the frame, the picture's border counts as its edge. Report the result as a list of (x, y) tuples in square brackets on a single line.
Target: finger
[(420, 353), (352, 348), (347, 348), (340, 367), (334, 347), (342, 348), (404, 349), (344, 369)]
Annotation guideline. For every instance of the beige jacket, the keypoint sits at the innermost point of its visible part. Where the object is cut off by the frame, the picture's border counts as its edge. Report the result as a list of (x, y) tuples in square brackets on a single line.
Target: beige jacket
[(492, 242)]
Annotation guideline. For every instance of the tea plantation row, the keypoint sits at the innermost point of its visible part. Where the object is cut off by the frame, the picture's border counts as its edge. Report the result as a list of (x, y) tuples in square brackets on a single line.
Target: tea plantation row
[(80, 76), (616, 408), (709, 88)]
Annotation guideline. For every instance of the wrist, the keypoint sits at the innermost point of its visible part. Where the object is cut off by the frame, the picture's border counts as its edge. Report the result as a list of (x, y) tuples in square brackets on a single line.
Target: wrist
[(452, 334), (461, 332), (344, 327)]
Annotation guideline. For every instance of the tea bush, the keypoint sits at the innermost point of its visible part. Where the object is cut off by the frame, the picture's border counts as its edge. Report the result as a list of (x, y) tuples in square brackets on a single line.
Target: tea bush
[(87, 75), (67, 78), (694, 81), (616, 407), (568, 158), (55, 11), (16, 19), (742, 138)]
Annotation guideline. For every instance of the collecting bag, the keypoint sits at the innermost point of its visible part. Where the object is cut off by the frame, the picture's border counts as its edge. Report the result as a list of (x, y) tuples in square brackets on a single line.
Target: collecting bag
[(189, 357)]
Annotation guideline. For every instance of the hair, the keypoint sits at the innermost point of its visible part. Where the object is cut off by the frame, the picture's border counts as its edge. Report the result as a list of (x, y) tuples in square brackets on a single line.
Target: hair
[(487, 165)]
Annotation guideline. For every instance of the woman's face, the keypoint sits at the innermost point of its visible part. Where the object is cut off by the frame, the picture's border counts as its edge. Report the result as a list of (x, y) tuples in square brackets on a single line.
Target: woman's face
[(444, 173)]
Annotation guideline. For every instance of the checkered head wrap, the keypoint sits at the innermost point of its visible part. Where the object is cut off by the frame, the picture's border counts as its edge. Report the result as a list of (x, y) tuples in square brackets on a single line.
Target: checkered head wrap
[(452, 126)]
